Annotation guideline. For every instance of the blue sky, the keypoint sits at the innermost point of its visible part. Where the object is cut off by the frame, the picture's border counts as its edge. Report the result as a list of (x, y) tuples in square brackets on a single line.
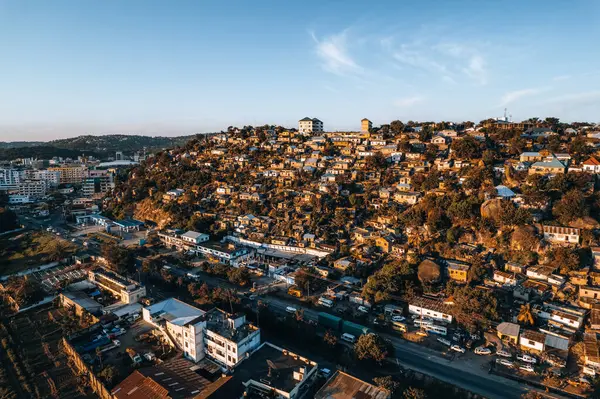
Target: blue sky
[(178, 67)]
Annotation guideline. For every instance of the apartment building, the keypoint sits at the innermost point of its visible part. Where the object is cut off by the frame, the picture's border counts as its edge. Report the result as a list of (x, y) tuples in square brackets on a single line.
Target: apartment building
[(10, 177), (31, 188), (72, 174), (98, 183), (310, 125), (52, 178), (183, 325), (126, 289), (229, 338), (225, 338)]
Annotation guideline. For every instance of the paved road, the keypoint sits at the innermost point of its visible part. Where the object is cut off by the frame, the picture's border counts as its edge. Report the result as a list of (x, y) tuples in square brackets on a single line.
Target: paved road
[(428, 361)]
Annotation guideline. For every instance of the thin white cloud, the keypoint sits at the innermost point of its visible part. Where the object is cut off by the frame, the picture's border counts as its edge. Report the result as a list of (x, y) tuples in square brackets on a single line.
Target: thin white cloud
[(515, 95), (561, 77), (447, 60), (333, 52), (477, 69), (573, 99), (408, 101)]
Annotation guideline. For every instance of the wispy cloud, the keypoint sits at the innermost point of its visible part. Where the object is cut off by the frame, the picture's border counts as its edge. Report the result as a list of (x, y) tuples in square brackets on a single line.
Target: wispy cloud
[(448, 60), (477, 69), (334, 55), (575, 99), (561, 77), (408, 101), (515, 95)]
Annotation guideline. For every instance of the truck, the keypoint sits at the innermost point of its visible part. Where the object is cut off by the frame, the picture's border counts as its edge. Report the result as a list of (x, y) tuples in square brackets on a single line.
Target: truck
[(134, 356), (114, 344), (98, 342), (329, 321), (354, 329)]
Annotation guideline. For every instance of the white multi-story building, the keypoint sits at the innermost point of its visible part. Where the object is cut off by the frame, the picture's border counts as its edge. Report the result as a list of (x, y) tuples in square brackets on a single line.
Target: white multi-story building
[(10, 177), (310, 125), (52, 178), (229, 338), (31, 188), (129, 291), (225, 338)]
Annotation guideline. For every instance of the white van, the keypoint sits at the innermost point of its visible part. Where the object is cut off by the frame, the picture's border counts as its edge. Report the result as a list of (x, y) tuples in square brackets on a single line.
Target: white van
[(348, 338), (290, 309), (526, 358), (328, 303)]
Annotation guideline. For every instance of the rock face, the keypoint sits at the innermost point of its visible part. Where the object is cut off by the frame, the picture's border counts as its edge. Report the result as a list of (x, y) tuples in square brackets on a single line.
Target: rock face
[(490, 209), (429, 272), (146, 210)]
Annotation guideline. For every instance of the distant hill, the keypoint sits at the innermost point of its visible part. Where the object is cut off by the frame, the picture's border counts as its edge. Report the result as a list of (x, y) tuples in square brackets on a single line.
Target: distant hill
[(98, 146), (119, 142), (42, 152)]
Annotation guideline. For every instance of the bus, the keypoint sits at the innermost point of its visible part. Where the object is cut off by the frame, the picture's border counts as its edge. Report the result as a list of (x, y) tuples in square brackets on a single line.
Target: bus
[(397, 326), (440, 330), (422, 323), (328, 303), (348, 338)]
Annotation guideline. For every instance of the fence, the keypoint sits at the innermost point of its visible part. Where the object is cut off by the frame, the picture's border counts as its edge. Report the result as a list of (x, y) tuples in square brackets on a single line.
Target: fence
[(96, 385)]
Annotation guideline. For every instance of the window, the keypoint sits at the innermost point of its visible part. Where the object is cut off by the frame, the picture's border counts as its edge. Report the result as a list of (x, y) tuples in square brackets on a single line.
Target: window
[(531, 343), (186, 344)]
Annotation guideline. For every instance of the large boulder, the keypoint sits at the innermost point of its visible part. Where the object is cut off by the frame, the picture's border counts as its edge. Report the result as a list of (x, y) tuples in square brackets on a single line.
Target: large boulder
[(491, 208), (429, 272)]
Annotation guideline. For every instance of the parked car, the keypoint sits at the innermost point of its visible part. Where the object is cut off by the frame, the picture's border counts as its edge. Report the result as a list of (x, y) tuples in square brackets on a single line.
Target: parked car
[(503, 353), (325, 372), (290, 309), (457, 348), (483, 351), (398, 318), (444, 341), (526, 358), (422, 333), (527, 367), (504, 362), (363, 309)]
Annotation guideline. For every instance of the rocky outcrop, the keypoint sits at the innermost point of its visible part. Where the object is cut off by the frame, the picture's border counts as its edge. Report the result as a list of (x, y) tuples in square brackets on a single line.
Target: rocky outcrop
[(147, 210), (429, 272)]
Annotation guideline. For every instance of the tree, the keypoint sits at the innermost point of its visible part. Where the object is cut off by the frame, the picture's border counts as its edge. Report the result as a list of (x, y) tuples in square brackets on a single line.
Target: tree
[(370, 347), (239, 276), (526, 315), (567, 259), (570, 207), (414, 393), (467, 148), (387, 383), (330, 339), (8, 220), (108, 374), (396, 127), (376, 161), (118, 258)]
